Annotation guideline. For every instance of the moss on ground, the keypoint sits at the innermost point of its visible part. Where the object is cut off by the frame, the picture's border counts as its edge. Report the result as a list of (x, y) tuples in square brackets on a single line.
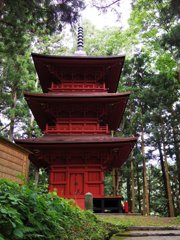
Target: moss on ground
[(125, 221)]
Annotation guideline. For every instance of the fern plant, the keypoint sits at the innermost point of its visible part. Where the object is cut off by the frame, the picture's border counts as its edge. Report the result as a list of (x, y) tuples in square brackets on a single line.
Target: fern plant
[(26, 212)]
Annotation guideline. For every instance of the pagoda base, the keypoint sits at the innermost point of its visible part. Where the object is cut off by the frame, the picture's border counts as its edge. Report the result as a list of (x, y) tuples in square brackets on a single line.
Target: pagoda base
[(108, 204), (103, 204)]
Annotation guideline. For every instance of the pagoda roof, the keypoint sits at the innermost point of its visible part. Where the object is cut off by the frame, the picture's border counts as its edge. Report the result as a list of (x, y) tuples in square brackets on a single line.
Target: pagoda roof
[(75, 139), (120, 147), (41, 105), (53, 68)]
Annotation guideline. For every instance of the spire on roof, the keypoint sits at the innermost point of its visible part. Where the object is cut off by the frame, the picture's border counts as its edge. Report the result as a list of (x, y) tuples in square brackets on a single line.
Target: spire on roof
[(80, 41)]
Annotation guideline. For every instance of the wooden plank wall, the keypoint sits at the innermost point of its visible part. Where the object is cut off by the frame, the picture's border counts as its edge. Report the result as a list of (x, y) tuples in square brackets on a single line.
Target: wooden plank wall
[(13, 161)]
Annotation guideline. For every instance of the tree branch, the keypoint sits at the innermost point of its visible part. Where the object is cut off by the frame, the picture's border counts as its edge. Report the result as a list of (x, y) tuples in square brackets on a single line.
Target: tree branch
[(1, 5), (107, 5), (7, 125)]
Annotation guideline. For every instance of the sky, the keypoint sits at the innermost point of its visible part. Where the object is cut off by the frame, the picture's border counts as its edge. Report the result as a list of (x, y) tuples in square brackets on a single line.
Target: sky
[(108, 19), (101, 20)]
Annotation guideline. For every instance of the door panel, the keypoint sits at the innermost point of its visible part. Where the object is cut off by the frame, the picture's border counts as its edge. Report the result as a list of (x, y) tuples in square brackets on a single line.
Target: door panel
[(76, 184)]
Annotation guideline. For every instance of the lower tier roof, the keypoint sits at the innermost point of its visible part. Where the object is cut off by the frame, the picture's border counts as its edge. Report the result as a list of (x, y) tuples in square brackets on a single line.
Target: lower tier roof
[(116, 149)]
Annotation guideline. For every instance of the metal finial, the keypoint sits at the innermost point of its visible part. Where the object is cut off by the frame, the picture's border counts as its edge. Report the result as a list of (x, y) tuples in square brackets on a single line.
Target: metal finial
[(80, 42)]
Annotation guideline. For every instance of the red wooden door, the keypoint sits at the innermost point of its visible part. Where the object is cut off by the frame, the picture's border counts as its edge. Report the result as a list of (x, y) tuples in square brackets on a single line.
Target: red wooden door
[(76, 184)]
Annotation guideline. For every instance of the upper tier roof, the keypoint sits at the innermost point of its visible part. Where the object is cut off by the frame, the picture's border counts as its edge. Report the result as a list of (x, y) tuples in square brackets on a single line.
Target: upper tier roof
[(108, 107), (57, 68)]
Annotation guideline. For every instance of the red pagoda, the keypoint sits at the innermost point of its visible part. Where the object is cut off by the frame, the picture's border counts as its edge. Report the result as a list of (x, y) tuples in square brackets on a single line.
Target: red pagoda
[(77, 111)]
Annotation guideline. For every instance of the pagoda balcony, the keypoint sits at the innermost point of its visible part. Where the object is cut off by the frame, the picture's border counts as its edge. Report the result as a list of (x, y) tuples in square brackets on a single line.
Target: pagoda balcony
[(77, 126), (72, 86)]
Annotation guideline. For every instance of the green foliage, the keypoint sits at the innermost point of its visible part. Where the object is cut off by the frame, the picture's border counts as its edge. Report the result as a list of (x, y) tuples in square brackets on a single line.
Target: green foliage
[(171, 40), (156, 23), (106, 42), (108, 184), (22, 20), (27, 25), (26, 212), (150, 74)]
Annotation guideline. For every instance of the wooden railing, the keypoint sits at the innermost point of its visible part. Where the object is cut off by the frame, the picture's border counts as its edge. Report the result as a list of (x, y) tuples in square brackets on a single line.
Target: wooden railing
[(78, 86), (79, 126)]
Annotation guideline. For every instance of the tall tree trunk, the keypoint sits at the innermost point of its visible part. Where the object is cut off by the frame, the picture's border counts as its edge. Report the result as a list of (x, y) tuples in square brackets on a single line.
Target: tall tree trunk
[(132, 168), (169, 190), (163, 170), (138, 189), (13, 115), (114, 176), (145, 182), (116, 181), (119, 182), (129, 189), (150, 185), (132, 184), (36, 178), (1, 6), (30, 132), (168, 185), (177, 154)]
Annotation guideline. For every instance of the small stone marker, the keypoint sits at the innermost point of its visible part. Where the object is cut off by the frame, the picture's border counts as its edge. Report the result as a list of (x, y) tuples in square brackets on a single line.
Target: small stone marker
[(89, 201)]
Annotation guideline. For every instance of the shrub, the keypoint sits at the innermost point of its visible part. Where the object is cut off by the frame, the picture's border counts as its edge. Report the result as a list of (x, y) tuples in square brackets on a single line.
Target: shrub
[(26, 212)]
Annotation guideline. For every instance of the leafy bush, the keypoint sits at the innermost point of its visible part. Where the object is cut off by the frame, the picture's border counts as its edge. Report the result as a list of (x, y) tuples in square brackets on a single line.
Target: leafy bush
[(28, 213)]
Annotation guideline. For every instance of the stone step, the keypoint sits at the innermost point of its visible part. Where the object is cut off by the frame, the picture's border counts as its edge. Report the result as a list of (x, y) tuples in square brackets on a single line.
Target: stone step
[(153, 228), (149, 233)]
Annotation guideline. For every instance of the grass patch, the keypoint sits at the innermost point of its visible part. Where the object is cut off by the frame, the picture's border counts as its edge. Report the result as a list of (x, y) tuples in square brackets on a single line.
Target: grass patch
[(127, 221)]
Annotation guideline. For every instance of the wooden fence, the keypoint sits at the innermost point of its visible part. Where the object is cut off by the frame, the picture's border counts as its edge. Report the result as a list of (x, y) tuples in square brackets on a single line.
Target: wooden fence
[(14, 161)]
